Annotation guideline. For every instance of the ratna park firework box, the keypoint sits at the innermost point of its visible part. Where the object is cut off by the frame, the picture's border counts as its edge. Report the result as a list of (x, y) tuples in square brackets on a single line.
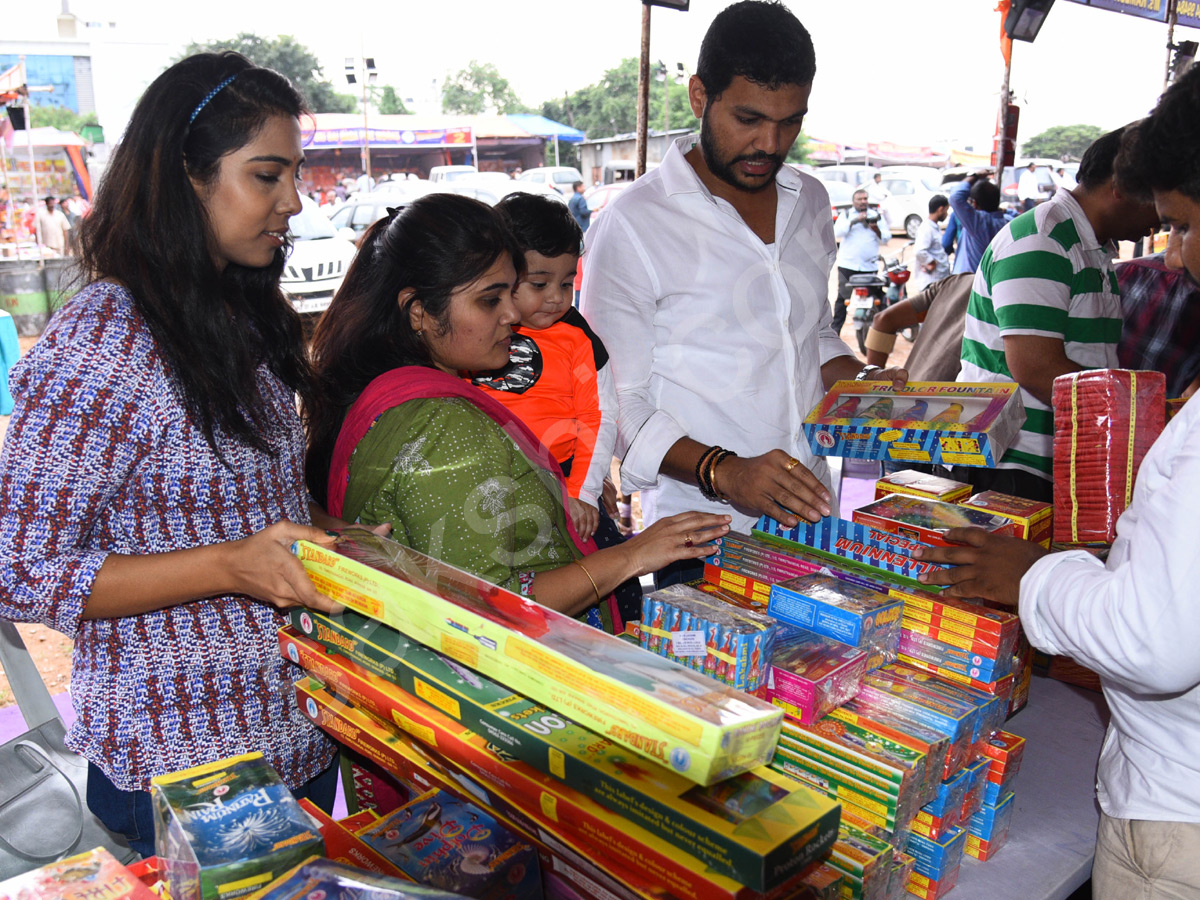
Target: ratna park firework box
[(227, 828), (1034, 519), (927, 521), (704, 730), (745, 827), (563, 814), (921, 484), (945, 423), (95, 875)]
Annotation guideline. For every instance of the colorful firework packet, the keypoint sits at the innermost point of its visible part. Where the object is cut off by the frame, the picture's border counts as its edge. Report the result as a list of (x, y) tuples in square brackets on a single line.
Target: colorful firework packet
[(324, 878), (946, 423), (704, 730), (95, 875), (928, 521), (226, 829)]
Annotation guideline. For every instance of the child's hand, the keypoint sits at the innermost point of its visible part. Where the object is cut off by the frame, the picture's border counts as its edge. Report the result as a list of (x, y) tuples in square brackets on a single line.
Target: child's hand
[(584, 516), (608, 496)]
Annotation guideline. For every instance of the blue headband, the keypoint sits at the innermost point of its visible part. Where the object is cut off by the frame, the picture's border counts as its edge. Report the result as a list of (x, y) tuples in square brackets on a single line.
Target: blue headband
[(207, 97)]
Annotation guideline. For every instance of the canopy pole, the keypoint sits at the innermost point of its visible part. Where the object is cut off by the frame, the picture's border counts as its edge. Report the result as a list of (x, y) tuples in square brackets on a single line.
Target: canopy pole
[(643, 99)]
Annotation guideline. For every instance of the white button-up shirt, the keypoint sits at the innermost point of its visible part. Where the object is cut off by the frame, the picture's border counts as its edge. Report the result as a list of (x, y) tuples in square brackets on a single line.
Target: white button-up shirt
[(1136, 621), (712, 334)]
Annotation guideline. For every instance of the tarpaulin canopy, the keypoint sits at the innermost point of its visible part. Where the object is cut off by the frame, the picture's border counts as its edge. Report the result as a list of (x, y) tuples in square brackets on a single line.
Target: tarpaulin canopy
[(547, 128)]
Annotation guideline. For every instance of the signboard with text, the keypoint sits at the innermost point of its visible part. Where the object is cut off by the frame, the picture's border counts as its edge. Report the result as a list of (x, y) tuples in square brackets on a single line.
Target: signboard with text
[(325, 138), (1187, 11)]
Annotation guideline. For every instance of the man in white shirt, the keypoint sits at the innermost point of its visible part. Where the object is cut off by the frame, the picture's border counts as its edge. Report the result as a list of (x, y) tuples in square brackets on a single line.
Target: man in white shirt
[(1133, 619), (876, 192), (861, 232), (1029, 192), (707, 280), (930, 261), (52, 227)]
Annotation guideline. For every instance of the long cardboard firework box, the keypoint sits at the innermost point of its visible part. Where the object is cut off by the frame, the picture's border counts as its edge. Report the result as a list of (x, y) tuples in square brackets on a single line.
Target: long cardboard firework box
[(704, 730), (947, 423), (852, 546), (745, 827), (568, 815)]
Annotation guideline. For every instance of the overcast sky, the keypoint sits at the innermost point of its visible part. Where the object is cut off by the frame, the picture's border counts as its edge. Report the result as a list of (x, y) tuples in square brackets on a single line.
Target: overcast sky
[(910, 71)]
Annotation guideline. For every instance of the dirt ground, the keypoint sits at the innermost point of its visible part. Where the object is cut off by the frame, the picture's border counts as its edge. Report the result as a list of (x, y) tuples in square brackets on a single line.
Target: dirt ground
[(51, 651)]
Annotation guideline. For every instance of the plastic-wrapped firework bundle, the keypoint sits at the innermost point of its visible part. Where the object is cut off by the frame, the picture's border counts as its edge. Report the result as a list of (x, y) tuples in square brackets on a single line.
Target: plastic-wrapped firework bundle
[(811, 675), (703, 631), (1104, 423)]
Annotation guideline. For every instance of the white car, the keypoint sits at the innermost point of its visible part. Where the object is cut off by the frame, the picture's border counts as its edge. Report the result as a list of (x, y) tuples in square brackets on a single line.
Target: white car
[(561, 178), (910, 188), (318, 260), (451, 173)]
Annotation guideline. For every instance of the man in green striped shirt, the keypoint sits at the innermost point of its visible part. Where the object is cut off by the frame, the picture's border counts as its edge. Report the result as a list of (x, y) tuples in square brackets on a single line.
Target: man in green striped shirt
[(1045, 302)]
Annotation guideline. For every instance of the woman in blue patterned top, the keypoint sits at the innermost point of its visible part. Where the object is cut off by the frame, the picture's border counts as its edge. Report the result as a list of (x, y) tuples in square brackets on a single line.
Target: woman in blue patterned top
[(152, 474)]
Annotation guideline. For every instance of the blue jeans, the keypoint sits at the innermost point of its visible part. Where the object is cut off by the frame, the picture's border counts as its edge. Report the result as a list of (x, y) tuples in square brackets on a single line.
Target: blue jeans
[(130, 813)]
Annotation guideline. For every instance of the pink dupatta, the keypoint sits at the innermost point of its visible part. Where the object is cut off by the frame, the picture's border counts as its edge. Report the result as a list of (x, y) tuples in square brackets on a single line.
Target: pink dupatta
[(398, 386)]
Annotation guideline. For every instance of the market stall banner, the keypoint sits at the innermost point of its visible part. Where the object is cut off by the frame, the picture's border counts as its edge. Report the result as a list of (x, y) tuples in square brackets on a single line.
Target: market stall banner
[(1187, 11), (898, 154), (825, 151), (325, 138)]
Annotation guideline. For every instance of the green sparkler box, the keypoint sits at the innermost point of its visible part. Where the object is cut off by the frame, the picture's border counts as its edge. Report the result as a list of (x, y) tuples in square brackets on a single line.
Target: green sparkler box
[(704, 730), (228, 828), (746, 827)]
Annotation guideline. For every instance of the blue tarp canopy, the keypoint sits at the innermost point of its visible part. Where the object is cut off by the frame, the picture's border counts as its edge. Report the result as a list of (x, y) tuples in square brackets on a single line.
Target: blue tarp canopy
[(547, 128)]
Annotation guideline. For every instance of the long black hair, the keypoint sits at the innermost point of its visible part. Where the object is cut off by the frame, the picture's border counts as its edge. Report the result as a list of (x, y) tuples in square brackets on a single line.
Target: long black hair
[(438, 244), (148, 229)]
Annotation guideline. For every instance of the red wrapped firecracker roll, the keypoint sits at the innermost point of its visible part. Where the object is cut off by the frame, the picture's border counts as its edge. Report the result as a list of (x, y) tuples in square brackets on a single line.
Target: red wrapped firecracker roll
[(1104, 423)]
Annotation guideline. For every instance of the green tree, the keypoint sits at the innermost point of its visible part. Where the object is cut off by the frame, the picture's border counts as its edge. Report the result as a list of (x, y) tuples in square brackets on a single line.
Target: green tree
[(1061, 141), (390, 103), (799, 151), (62, 118), (287, 57), (480, 88), (610, 106)]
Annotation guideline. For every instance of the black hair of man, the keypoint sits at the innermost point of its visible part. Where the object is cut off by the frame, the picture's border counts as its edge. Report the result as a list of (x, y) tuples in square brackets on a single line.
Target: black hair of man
[(937, 201), (986, 195), (540, 224), (762, 41), (1099, 159), (1160, 154)]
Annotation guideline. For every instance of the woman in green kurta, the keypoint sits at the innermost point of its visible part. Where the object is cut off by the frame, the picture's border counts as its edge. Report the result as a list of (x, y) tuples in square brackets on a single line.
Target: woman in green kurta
[(395, 435)]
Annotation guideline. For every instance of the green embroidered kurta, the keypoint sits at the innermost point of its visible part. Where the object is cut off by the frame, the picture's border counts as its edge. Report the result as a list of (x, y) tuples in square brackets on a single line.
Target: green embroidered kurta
[(455, 486)]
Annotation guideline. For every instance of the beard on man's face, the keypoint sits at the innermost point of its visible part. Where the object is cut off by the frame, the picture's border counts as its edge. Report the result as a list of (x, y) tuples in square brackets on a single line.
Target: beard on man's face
[(725, 168)]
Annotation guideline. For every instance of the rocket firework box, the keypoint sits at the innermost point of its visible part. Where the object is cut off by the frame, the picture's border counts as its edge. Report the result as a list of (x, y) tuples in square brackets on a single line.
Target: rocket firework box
[(317, 877), (706, 731), (928, 521), (810, 675), (987, 830), (853, 547), (948, 423), (921, 484), (95, 875), (937, 858), (745, 827), (566, 815), (228, 828), (439, 840), (705, 633)]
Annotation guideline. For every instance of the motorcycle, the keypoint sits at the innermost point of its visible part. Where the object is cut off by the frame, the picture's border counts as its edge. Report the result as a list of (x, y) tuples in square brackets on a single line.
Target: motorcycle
[(870, 293)]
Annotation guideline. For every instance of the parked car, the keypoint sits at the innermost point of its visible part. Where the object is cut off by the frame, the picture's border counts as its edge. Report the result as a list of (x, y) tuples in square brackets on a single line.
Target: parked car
[(451, 173), (318, 259), (601, 195), (851, 176), (910, 188), (558, 177)]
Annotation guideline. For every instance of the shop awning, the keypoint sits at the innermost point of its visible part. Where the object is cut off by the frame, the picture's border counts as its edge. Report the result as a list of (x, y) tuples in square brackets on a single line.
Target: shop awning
[(540, 126)]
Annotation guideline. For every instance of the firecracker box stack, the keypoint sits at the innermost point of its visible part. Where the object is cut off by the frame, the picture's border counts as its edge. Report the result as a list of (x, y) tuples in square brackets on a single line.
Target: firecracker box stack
[(646, 764)]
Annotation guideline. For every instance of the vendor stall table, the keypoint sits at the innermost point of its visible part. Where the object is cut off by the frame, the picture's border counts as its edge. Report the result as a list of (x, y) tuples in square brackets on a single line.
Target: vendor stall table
[(1053, 833)]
